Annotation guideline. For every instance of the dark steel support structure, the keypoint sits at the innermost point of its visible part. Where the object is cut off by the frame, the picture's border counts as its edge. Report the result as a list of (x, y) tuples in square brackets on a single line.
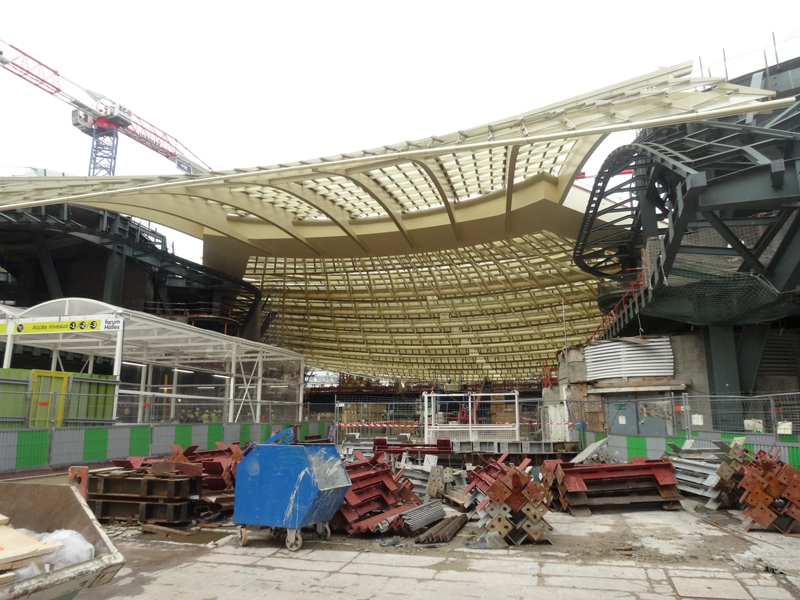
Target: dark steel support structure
[(716, 207), (48, 267)]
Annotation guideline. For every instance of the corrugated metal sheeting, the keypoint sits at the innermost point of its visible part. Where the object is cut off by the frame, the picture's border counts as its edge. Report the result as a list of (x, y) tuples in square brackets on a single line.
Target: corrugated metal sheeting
[(651, 357)]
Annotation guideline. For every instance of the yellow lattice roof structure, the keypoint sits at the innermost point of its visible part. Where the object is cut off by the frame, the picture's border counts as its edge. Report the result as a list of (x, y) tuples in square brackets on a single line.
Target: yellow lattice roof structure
[(445, 257)]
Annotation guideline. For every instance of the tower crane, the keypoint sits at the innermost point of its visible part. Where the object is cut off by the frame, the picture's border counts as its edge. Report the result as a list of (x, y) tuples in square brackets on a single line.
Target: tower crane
[(98, 116)]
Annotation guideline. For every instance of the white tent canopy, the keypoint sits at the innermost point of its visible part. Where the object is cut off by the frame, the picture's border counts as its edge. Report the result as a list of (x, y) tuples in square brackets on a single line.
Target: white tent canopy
[(97, 329)]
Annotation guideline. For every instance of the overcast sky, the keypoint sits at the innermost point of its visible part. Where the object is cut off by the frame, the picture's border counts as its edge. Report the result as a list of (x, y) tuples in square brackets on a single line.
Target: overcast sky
[(258, 83)]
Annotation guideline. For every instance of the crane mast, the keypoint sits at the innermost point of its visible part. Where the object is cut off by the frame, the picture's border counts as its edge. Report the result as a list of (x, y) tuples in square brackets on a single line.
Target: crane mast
[(98, 116)]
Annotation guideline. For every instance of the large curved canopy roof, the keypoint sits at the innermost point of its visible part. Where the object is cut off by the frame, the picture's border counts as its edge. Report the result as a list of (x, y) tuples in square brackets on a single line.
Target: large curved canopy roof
[(446, 257)]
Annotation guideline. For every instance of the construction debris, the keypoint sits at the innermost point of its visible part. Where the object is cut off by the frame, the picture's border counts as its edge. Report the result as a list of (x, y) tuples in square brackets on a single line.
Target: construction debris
[(216, 466), (509, 500), (578, 487), (174, 489), (772, 488), (376, 499), (19, 549)]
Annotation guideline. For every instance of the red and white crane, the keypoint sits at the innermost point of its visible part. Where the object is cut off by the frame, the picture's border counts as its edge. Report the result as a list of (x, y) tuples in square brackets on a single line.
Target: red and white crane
[(98, 116)]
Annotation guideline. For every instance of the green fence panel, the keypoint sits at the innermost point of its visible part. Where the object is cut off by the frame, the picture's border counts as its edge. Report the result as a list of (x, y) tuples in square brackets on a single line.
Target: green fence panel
[(95, 444), (14, 397), (32, 449), (140, 441), (794, 457), (183, 436), (303, 431), (788, 438), (321, 428), (637, 446), (266, 432), (244, 433), (681, 433), (215, 434), (598, 435)]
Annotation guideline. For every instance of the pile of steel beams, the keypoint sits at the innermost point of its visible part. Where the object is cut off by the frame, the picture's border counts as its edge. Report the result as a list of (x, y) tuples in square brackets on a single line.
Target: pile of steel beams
[(416, 518), (444, 531), (698, 473), (376, 498), (578, 487), (509, 500), (140, 495), (771, 489)]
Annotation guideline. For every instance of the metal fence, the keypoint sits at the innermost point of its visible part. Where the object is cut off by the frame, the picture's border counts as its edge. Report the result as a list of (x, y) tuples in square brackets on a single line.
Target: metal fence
[(776, 414)]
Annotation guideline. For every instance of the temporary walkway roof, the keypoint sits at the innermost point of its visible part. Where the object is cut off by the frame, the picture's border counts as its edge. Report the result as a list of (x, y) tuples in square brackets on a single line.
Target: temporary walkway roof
[(446, 257), (89, 327)]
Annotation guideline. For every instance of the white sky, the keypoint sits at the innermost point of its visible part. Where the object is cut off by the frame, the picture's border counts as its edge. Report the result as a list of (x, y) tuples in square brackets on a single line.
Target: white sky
[(258, 83)]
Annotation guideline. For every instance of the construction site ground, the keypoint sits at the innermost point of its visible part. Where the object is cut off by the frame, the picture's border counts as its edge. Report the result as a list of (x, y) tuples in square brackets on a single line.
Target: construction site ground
[(618, 553)]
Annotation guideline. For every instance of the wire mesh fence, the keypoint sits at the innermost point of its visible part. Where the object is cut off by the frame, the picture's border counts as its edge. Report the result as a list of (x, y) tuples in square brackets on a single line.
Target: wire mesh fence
[(685, 415)]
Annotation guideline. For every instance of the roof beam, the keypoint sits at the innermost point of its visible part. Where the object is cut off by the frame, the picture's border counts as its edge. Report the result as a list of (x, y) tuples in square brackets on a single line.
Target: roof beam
[(511, 167), (337, 215), (377, 193), (437, 176), (162, 203), (259, 209)]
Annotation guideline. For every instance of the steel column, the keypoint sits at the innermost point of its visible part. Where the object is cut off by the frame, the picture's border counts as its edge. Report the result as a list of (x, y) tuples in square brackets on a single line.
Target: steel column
[(723, 370), (749, 353)]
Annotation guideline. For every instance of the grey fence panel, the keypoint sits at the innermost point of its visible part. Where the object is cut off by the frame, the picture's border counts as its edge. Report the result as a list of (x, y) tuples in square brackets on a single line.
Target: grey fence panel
[(230, 432), (200, 436), (163, 437), (66, 446), (8, 450), (762, 438), (618, 447), (255, 432), (590, 438), (655, 447), (119, 442)]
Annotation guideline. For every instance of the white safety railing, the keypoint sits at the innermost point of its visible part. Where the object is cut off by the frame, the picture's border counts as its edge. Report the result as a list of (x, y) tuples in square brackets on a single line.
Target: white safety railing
[(458, 417)]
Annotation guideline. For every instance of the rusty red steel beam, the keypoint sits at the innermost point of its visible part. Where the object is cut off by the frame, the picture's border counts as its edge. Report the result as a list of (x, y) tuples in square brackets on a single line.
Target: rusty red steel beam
[(381, 445)]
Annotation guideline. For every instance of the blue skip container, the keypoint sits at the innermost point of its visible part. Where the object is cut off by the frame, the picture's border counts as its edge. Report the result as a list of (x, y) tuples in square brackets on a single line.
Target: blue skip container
[(284, 486)]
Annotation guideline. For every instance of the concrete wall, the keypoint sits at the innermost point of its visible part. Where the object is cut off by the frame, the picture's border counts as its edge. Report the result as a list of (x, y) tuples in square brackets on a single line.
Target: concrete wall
[(689, 351)]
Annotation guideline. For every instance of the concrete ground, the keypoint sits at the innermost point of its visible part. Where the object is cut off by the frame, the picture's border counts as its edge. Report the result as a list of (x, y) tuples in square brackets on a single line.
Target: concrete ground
[(638, 555)]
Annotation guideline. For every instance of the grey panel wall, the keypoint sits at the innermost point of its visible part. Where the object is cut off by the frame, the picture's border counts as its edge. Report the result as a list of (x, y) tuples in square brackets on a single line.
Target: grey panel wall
[(119, 442), (200, 436), (163, 436), (656, 446), (618, 447), (8, 450), (66, 447)]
